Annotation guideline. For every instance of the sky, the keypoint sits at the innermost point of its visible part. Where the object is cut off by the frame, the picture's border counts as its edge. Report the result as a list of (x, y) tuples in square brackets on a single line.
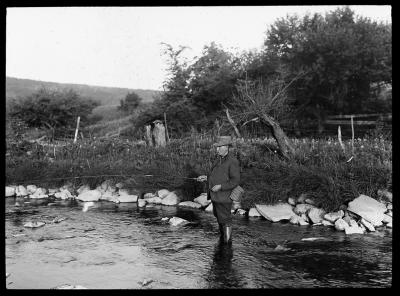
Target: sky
[(121, 46)]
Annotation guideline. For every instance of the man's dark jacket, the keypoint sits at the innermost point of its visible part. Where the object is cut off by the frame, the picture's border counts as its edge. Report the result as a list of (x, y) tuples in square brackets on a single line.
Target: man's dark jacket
[(224, 171)]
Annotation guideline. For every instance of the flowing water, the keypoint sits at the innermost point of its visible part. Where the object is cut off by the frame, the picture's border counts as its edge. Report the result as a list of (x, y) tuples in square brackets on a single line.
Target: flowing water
[(121, 246)]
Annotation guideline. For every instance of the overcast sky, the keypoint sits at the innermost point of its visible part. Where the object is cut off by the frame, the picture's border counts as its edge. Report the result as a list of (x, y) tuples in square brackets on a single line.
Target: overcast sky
[(120, 46)]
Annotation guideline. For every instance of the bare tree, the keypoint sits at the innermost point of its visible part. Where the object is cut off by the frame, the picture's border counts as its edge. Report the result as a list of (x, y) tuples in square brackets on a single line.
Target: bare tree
[(267, 102)]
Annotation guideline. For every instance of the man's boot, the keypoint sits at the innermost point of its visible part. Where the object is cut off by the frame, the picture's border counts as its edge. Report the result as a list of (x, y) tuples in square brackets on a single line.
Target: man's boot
[(227, 234)]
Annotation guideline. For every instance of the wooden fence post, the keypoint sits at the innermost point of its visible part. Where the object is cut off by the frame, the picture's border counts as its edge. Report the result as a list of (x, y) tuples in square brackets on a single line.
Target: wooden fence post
[(77, 128)]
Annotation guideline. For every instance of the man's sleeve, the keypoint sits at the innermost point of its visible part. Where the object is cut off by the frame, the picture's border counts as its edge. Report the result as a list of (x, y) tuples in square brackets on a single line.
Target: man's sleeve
[(234, 176)]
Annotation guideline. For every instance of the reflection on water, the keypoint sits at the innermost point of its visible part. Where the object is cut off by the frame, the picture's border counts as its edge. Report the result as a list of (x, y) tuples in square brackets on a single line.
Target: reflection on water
[(118, 246)]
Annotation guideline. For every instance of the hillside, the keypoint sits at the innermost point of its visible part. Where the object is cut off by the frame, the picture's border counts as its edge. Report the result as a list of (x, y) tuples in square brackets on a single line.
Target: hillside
[(107, 96)]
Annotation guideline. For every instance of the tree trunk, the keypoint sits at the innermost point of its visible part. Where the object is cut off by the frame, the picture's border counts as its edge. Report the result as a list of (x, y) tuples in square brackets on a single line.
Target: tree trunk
[(284, 143), (233, 124)]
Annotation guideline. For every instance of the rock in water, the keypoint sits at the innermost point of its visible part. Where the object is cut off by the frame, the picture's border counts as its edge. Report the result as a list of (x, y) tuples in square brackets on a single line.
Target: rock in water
[(275, 213), (327, 223), (155, 200), (141, 203), (300, 209), (34, 224), (21, 191), (31, 189), (90, 195), (175, 221), (10, 191), (87, 205), (369, 209), (291, 201), (209, 208), (254, 213), (241, 212), (202, 200), (70, 287), (171, 199), (190, 204), (316, 215), (367, 225), (127, 198), (354, 229), (163, 193), (82, 189), (165, 219), (341, 225), (333, 216)]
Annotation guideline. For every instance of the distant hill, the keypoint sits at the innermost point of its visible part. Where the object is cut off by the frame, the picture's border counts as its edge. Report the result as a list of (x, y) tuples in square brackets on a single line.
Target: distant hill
[(107, 96)]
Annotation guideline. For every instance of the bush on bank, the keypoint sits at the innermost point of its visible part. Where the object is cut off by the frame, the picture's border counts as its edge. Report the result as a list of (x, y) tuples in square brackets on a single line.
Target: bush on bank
[(319, 168)]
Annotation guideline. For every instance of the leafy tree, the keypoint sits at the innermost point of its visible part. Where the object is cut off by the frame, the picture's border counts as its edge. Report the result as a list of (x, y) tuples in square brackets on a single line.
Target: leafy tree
[(56, 110), (130, 103), (343, 56)]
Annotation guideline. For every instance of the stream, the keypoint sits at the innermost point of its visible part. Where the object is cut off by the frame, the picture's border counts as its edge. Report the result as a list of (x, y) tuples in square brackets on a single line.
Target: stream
[(122, 246)]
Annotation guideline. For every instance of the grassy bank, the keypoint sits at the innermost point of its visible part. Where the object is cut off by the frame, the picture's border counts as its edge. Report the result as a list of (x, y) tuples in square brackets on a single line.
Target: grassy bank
[(319, 168)]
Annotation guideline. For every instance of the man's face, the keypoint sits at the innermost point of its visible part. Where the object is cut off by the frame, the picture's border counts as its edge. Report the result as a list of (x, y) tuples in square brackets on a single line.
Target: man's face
[(222, 150)]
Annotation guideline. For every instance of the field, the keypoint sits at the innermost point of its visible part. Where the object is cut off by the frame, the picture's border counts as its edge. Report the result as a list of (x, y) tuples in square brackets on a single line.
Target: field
[(319, 168)]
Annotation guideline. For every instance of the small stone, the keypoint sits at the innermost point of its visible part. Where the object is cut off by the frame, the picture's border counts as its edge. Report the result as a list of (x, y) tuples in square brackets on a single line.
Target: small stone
[(174, 221), (141, 203), (389, 225), (367, 225), (241, 212), (34, 224), (291, 201), (389, 213), (333, 216), (316, 215), (353, 229), (309, 201), (386, 219), (341, 224), (254, 213), (327, 223), (389, 206), (165, 219), (209, 208)]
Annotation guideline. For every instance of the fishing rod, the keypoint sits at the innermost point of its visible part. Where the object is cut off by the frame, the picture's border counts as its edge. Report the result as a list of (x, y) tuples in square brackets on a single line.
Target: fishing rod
[(96, 176)]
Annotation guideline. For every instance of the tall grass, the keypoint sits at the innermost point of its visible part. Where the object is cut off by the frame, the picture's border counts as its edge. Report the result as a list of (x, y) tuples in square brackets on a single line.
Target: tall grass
[(319, 168)]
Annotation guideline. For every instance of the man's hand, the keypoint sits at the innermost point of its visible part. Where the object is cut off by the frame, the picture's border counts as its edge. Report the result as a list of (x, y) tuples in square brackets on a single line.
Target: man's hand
[(201, 178), (216, 188)]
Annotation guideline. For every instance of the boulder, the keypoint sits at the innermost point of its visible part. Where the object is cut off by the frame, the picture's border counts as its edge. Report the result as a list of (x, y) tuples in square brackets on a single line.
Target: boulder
[(171, 199), (149, 195), (275, 213), (368, 208), (63, 194), (127, 198), (291, 201), (354, 229), (21, 191), (295, 219), (10, 191), (163, 193), (190, 204), (341, 225), (241, 212), (327, 223), (202, 200), (302, 208), (387, 219), (31, 189), (333, 216), (385, 195), (90, 195), (141, 203), (254, 213), (210, 208), (316, 215), (175, 221), (367, 225), (155, 200), (82, 189)]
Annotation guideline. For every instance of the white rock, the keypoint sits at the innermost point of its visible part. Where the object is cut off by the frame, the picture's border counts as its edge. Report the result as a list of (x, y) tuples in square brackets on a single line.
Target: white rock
[(241, 212), (52, 191), (155, 200), (64, 194), (123, 191), (87, 205), (389, 206), (275, 213), (90, 195), (141, 203), (210, 208), (368, 208), (302, 208), (316, 215), (309, 201), (163, 193), (34, 224), (202, 199), (149, 195), (171, 199), (367, 225), (127, 198), (109, 196), (389, 225), (341, 225), (303, 222), (174, 221), (82, 189), (165, 219), (305, 218), (190, 204), (352, 223), (387, 219), (333, 216), (389, 213), (38, 196), (21, 191), (10, 191), (31, 189), (353, 229), (291, 201), (295, 219), (254, 213), (327, 223), (386, 195), (40, 191)]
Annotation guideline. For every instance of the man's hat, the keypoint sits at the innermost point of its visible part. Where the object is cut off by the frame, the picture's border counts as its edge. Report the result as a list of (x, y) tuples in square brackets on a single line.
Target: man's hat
[(223, 141)]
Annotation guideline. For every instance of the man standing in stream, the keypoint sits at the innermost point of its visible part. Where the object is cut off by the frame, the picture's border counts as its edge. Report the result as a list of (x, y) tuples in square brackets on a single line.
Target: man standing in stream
[(223, 177)]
